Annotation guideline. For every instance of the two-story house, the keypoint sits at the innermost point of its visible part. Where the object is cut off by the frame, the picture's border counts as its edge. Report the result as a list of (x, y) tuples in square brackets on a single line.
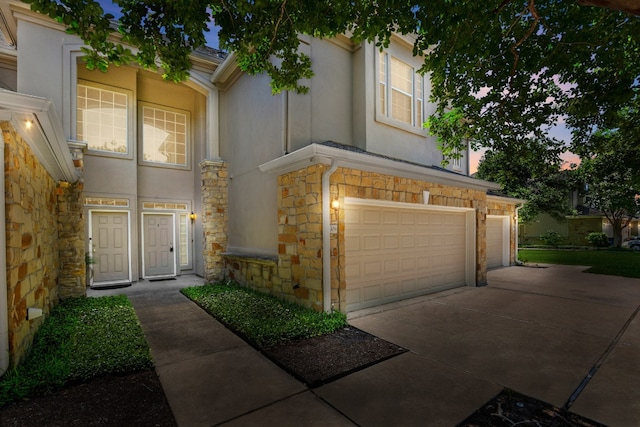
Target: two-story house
[(334, 199)]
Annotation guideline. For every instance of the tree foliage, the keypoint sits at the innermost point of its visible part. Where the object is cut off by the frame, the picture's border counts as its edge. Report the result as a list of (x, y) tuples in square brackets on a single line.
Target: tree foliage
[(511, 69), (542, 184), (610, 168)]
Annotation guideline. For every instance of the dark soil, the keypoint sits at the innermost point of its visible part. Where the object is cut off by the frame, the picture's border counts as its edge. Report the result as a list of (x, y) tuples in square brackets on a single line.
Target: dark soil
[(509, 408), (319, 360), (130, 400)]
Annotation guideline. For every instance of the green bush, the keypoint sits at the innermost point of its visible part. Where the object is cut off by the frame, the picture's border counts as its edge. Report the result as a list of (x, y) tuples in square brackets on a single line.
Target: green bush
[(262, 319), (551, 238), (82, 338), (598, 239)]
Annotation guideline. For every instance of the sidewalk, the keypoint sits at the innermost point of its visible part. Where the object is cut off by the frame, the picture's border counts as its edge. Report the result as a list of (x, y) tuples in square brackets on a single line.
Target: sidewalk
[(540, 332), (209, 375)]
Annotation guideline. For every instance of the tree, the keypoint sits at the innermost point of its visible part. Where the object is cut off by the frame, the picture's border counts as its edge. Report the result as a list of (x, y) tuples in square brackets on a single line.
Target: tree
[(610, 168), (511, 69), (542, 184)]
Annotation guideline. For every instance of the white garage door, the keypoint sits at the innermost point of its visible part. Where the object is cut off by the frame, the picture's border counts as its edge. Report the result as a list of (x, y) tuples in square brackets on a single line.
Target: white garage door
[(497, 243), (400, 250)]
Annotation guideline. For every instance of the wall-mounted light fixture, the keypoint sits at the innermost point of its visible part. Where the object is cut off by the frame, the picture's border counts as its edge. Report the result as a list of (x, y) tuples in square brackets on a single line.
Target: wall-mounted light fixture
[(192, 216), (335, 204), (28, 123)]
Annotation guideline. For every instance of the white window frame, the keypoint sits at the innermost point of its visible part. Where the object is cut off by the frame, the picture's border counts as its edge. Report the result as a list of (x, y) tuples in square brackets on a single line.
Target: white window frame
[(384, 88), (456, 163), (130, 118), (188, 142)]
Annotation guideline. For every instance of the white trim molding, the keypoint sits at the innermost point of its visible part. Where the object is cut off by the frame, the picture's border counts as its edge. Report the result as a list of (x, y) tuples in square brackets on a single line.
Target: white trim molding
[(37, 122)]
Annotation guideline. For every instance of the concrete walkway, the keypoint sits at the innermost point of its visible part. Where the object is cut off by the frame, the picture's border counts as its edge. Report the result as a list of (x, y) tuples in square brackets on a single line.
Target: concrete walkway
[(539, 331)]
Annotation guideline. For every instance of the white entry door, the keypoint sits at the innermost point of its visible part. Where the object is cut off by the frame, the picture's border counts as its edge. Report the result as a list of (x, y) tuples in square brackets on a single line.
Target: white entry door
[(158, 242), (110, 246), (497, 241)]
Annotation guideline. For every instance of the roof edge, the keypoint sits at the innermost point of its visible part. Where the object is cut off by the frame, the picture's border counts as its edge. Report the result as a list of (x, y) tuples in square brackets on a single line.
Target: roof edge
[(322, 154)]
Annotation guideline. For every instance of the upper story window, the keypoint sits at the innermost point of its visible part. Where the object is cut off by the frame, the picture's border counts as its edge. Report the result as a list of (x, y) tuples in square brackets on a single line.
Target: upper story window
[(165, 136), (456, 162), (102, 119), (400, 92)]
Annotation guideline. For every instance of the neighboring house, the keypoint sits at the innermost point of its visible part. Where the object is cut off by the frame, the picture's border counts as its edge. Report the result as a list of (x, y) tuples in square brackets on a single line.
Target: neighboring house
[(334, 199), (575, 228)]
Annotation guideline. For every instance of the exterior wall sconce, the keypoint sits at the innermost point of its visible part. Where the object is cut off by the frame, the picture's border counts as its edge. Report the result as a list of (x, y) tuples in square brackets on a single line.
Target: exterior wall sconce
[(192, 216), (335, 204)]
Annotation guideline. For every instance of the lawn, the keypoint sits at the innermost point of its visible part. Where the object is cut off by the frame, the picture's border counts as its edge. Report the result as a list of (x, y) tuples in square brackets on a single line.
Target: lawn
[(81, 339), (613, 262), (262, 319)]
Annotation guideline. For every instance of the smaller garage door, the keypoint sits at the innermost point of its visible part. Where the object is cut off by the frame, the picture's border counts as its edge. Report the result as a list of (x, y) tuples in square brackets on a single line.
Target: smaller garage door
[(400, 250), (497, 241)]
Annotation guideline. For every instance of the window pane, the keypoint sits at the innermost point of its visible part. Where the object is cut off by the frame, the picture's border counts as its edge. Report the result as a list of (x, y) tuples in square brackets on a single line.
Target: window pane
[(101, 119), (401, 76), (401, 106), (401, 91), (164, 136), (383, 83), (184, 240)]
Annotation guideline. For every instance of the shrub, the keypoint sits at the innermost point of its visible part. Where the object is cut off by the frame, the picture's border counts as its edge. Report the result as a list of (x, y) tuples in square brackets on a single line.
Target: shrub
[(551, 238), (598, 239)]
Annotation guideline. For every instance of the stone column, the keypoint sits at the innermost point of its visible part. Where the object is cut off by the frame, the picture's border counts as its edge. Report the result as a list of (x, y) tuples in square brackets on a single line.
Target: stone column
[(71, 240), (215, 205)]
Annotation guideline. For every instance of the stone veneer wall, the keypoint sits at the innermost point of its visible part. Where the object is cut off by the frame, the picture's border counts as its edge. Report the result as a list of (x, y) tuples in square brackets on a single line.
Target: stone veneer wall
[(215, 204), (71, 240), (31, 241), (500, 208), (298, 276)]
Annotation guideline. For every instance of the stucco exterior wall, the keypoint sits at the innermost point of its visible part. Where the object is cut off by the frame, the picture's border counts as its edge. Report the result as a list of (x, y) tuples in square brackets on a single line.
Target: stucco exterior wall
[(252, 132), (33, 262)]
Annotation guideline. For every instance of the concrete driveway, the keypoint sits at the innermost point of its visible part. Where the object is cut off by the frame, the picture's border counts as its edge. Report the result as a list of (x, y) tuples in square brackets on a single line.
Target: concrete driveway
[(539, 331)]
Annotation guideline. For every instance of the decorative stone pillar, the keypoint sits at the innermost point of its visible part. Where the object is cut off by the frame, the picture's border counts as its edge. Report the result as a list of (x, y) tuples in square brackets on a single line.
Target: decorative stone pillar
[(71, 228), (215, 205), (71, 240)]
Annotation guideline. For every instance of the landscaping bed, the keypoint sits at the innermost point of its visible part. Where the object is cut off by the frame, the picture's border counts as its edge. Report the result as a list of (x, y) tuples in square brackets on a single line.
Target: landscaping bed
[(316, 348)]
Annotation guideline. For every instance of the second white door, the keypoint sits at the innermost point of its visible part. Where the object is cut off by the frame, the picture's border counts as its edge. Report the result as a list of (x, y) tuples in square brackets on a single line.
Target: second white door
[(159, 248)]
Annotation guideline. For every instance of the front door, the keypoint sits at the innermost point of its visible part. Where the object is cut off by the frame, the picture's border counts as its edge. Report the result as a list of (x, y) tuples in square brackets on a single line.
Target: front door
[(110, 246), (159, 253)]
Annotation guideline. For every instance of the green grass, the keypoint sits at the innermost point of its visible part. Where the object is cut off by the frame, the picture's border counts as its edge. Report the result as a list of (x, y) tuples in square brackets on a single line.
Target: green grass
[(613, 262), (81, 339), (262, 319)]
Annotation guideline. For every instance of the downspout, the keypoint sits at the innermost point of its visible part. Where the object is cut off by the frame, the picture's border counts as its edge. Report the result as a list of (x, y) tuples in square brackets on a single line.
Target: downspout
[(518, 262), (4, 313), (326, 236), (285, 122)]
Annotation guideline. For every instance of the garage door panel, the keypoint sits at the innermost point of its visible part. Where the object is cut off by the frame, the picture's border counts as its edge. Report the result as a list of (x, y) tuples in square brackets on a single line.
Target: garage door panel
[(416, 251), (371, 217), (390, 217)]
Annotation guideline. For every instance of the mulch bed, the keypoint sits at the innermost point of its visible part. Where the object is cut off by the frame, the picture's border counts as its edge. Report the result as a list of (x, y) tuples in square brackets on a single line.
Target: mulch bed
[(509, 409), (319, 360), (130, 400)]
